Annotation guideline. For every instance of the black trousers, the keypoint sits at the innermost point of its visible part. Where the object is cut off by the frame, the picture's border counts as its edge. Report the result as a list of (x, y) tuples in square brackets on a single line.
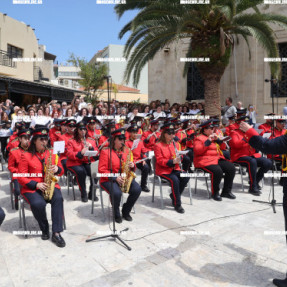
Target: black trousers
[(38, 207), (64, 164), (145, 169), (81, 172), (217, 171), (186, 162), (3, 141), (2, 216), (16, 187), (190, 155), (252, 163), (177, 185), (226, 154), (134, 193)]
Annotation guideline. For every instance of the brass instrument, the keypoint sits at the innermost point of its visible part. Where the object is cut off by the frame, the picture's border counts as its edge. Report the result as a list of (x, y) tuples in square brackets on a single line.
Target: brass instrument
[(130, 175), (49, 178), (177, 155)]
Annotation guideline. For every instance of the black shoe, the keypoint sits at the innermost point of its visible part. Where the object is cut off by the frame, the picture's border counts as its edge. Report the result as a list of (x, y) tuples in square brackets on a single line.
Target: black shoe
[(172, 199), (127, 217), (118, 219), (280, 283), (179, 209), (228, 195), (90, 196), (216, 197), (58, 240), (45, 235), (255, 191), (84, 199), (145, 189), (259, 187)]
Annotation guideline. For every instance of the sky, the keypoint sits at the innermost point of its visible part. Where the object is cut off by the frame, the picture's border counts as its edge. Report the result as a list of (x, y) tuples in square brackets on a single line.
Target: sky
[(81, 27)]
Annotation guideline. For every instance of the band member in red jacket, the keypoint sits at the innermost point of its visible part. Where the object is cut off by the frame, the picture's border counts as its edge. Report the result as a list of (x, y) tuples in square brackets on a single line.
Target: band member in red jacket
[(119, 155), (55, 130), (79, 164), (209, 157), (168, 164), (151, 136), (13, 140), (267, 126), (70, 126), (242, 153), (34, 163), (104, 139), (15, 159), (92, 132), (139, 153)]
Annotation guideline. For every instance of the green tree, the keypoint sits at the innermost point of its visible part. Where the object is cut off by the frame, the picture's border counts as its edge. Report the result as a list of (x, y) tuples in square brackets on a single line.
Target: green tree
[(211, 29), (92, 76)]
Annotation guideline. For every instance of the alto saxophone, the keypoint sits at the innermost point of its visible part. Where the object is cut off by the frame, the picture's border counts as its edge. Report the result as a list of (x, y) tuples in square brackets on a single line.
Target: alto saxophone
[(49, 178), (130, 175)]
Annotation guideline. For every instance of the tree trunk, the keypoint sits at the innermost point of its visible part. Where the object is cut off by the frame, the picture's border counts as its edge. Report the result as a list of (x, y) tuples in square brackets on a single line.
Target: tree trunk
[(212, 96)]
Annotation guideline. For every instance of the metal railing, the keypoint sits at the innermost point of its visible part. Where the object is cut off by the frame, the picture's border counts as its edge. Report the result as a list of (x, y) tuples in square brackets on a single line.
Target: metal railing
[(6, 59)]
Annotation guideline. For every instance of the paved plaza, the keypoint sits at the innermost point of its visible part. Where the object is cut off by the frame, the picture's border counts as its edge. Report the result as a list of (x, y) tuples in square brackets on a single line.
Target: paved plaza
[(214, 244)]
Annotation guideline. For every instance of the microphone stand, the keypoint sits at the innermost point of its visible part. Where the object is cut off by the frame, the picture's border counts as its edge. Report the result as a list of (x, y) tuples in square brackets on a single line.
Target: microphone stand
[(273, 202), (114, 234)]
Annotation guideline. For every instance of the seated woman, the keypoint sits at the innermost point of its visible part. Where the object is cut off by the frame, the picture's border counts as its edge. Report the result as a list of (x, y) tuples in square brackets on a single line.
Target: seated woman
[(242, 153), (79, 164), (168, 164), (34, 163), (208, 156), (118, 156)]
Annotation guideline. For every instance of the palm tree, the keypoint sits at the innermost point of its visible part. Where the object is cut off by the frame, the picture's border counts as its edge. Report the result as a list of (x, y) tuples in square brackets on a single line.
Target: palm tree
[(211, 28)]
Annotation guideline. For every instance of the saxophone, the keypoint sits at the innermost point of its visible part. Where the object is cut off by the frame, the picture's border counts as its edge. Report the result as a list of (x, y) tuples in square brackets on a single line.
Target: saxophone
[(49, 178), (130, 175)]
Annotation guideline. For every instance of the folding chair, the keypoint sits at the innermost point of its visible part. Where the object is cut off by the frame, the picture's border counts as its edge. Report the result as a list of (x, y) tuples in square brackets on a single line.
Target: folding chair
[(197, 170), (153, 161), (70, 182), (22, 216)]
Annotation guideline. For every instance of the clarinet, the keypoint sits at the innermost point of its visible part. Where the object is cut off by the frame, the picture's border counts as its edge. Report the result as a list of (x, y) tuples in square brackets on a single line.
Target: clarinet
[(85, 145), (177, 155)]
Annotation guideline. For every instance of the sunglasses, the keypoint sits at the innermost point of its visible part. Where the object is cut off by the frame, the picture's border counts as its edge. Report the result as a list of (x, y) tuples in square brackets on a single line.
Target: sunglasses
[(43, 139), (122, 138), (82, 129), (171, 132)]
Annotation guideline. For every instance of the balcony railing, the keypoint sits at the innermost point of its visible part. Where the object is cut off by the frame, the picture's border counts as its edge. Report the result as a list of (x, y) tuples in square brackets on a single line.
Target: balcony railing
[(7, 59), (38, 74)]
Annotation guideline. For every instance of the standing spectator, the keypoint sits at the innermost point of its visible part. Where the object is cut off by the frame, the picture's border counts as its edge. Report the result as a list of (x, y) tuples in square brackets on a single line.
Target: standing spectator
[(82, 104), (64, 108), (69, 112), (251, 113), (228, 111), (47, 111), (239, 106), (158, 113), (96, 111), (90, 110)]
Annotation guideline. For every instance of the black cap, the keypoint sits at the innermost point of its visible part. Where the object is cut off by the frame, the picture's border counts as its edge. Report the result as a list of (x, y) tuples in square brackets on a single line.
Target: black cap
[(81, 125), (71, 123), (25, 132), (40, 132), (207, 124), (243, 118), (18, 125), (133, 128), (57, 122), (120, 133), (154, 122), (167, 127)]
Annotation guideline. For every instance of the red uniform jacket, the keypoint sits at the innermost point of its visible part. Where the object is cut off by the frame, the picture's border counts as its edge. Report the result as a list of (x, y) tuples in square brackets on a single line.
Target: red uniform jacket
[(164, 155), (118, 159), (65, 137), (239, 147), (277, 133), (103, 139), (205, 152), (31, 164), (12, 144), (74, 155), (265, 127), (93, 133), (149, 143), (53, 135), (181, 134), (139, 152), (230, 128), (189, 143), (14, 160)]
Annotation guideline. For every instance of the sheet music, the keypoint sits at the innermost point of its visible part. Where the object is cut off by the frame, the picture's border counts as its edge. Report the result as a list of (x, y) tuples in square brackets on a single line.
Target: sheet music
[(59, 147), (135, 144), (91, 153)]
